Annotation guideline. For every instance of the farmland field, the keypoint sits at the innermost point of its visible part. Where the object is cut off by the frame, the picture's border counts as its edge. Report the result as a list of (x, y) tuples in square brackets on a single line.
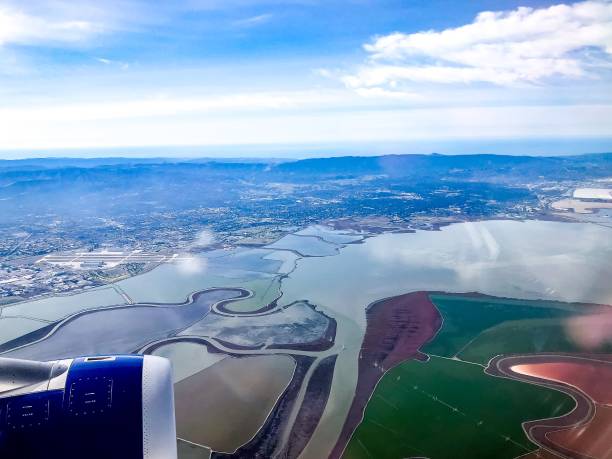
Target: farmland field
[(476, 328), (468, 413)]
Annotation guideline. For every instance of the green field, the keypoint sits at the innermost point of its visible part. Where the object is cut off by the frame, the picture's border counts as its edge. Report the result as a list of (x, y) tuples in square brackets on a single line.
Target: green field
[(523, 337), (450, 408), (478, 328), (447, 409)]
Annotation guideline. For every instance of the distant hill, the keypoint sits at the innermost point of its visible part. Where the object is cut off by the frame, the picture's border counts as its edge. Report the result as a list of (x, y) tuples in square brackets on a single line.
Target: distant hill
[(460, 166), (60, 163), (487, 168)]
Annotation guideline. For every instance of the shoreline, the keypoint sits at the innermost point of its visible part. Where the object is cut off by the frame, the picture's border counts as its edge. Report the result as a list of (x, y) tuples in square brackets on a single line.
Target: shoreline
[(397, 328)]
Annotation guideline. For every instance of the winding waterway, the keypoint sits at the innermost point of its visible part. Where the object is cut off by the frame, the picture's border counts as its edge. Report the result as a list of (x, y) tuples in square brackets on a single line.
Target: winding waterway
[(530, 260)]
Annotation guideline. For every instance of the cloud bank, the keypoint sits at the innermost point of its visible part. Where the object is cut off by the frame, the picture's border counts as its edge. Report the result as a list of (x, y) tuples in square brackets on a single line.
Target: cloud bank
[(525, 45), (20, 28)]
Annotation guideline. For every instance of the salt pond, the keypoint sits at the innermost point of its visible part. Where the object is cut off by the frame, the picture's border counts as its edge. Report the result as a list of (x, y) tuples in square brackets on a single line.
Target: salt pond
[(531, 260), (119, 330), (58, 307), (224, 406), (187, 358)]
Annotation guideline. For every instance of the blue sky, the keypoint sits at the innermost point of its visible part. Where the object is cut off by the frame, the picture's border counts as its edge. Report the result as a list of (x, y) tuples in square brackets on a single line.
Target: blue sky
[(304, 77)]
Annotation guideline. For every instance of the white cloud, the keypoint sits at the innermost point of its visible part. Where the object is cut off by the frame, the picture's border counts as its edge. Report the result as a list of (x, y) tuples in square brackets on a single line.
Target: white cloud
[(110, 62), (190, 265), (168, 106), (204, 239), (525, 45), (21, 28), (253, 20)]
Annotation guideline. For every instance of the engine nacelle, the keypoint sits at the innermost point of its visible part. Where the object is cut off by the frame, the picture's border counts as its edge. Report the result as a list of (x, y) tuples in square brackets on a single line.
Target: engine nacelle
[(102, 407)]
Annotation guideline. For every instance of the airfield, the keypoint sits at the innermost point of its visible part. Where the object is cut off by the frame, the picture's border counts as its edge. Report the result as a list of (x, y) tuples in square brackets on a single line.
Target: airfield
[(586, 201), (109, 259)]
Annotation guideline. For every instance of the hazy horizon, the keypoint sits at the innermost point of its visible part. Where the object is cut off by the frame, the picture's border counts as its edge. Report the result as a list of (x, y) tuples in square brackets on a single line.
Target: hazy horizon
[(535, 147)]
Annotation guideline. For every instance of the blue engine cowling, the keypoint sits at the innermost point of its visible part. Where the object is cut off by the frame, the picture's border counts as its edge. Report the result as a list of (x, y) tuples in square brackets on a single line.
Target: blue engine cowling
[(104, 407)]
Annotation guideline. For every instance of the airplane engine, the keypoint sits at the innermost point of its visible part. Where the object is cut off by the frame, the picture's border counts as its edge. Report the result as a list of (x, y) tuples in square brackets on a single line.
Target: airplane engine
[(102, 407)]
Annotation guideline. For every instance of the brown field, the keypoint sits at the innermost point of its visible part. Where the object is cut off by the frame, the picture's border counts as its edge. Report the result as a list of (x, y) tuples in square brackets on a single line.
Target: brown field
[(586, 431), (594, 378), (396, 329), (591, 377), (594, 439), (541, 454)]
